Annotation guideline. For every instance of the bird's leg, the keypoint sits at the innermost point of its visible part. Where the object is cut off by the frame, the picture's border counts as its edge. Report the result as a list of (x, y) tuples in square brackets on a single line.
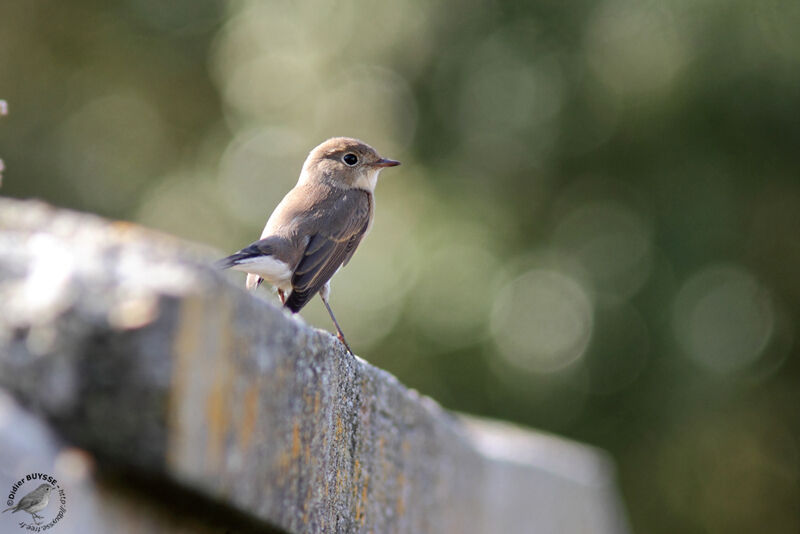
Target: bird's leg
[(324, 296), (339, 333), (253, 281), (282, 296)]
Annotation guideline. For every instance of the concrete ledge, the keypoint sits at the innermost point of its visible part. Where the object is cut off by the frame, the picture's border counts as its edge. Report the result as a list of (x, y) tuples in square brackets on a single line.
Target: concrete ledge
[(99, 499), (135, 350)]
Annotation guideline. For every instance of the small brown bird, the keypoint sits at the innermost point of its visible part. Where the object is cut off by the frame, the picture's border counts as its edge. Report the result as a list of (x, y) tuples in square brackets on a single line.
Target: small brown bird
[(33, 502), (317, 226)]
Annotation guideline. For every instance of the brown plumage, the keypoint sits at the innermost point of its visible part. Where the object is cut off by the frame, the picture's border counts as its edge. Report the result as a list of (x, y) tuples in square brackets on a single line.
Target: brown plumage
[(318, 225)]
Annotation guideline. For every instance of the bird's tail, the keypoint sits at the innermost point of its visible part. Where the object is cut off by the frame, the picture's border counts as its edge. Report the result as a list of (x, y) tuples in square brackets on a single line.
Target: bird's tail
[(259, 248), (230, 261), (11, 508)]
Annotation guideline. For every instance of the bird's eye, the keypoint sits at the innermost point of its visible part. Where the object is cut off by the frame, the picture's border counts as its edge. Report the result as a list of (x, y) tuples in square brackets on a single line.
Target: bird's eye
[(350, 159)]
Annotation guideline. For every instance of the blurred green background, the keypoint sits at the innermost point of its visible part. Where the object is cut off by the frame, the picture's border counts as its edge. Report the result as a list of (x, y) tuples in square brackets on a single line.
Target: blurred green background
[(595, 230)]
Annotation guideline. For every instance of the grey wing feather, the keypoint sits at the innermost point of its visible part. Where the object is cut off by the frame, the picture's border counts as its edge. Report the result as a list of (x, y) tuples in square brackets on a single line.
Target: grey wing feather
[(306, 284), (327, 251)]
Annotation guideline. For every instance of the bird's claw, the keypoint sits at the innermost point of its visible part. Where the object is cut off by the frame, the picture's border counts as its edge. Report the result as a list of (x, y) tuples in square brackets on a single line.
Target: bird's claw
[(340, 337)]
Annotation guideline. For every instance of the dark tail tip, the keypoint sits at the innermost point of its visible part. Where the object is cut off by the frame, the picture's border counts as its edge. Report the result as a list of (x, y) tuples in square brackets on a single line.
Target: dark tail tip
[(296, 301), (259, 248), (227, 263)]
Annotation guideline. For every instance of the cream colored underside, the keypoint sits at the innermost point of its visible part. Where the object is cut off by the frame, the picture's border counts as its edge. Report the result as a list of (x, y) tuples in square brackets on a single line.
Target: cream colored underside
[(273, 271)]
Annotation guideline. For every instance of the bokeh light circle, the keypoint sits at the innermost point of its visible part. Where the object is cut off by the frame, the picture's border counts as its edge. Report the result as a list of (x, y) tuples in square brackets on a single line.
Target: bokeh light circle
[(723, 318), (542, 321), (611, 242)]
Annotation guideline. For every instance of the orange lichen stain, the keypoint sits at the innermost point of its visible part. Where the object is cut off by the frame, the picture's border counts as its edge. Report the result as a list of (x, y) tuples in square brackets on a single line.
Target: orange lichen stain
[(125, 229), (200, 350), (316, 402), (287, 459), (123, 226), (360, 481), (284, 463), (361, 508), (218, 404), (339, 429), (186, 342), (363, 517), (364, 408), (296, 441), (216, 415), (249, 415), (183, 356), (356, 476), (401, 503), (306, 506), (283, 371)]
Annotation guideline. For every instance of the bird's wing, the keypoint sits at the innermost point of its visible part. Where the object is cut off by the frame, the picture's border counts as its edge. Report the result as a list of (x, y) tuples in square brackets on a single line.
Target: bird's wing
[(330, 247)]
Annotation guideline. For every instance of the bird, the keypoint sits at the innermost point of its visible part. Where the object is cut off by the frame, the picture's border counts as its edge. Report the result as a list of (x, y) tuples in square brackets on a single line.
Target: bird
[(33, 502), (317, 227)]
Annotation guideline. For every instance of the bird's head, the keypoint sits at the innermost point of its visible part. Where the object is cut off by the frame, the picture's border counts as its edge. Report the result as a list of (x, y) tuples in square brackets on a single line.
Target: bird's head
[(345, 162)]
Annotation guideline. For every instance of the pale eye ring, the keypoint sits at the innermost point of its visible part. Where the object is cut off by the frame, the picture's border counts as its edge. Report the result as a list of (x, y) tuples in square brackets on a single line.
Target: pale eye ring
[(350, 159)]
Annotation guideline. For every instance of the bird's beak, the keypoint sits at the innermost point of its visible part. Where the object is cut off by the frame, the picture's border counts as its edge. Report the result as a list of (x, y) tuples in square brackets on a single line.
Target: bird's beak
[(386, 163)]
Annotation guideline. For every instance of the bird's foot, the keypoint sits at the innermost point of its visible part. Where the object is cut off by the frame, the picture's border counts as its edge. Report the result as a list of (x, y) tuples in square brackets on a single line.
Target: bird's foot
[(341, 338)]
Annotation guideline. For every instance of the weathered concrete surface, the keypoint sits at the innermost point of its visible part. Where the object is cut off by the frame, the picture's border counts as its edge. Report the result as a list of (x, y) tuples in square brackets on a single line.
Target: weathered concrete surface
[(94, 503), (137, 351)]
